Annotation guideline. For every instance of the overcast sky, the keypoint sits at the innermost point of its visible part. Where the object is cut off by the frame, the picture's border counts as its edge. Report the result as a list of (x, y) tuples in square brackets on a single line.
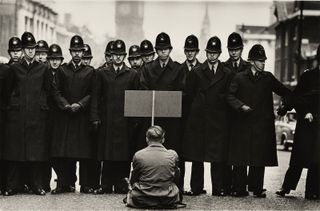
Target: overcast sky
[(178, 18)]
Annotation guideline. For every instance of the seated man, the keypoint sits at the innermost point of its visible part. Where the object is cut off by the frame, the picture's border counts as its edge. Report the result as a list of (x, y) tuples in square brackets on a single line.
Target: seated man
[(155, 174)]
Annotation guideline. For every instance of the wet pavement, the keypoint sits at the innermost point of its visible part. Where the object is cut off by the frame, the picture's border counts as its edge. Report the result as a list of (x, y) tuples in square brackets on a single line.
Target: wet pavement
[(273, 180)]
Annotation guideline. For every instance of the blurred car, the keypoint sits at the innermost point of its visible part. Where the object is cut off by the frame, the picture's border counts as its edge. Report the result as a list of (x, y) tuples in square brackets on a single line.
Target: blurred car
[(285, 128)]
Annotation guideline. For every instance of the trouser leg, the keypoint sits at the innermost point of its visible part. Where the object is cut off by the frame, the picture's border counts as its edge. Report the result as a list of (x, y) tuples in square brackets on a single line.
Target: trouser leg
[(240, 178), (47, 174), (36, 170), (197, 176), (107, 174), (3, 175), (65, 169), (292, 177), (312, 183), (89, 173), (122, 171), (14, 172), (256, 178)]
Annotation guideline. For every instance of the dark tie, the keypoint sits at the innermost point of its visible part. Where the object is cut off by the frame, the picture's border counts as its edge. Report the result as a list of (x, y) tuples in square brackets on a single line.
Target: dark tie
[(235, 65), (191, 66), (117, 70), (256, 75)]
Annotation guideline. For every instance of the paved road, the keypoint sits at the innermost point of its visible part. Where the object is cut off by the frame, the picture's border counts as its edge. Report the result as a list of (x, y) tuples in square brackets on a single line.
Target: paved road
[(77, 201)]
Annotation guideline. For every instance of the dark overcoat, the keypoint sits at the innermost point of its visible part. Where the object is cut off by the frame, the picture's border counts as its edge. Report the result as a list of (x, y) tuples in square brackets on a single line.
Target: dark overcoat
[(243, 65), (3, 76), (28, 87), (107, 106), (71, 137), (170, 78), (306, 143), (253, 140), (207, 129), (186, 104)]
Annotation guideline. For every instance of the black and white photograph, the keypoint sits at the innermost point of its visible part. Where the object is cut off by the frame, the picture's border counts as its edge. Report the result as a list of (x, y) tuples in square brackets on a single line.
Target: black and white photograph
[(159, 104)]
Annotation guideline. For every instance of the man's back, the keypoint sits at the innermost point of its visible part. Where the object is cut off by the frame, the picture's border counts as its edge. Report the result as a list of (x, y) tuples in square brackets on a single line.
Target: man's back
[(155, 170)]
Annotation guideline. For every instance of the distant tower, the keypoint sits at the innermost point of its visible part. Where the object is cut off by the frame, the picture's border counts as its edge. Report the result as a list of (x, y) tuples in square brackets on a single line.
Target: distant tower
[(129, 21), (205, 29)]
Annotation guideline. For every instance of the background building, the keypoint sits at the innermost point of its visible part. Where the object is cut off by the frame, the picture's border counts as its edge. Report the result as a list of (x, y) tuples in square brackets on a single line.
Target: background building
[(293, 32), (18, 16)]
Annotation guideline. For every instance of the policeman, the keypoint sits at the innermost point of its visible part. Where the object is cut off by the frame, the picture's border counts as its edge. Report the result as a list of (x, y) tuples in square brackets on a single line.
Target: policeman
[(108, 55), (134, 58), (72, 142), (191, 50), (42, 51), (206, 135), (15, 50), (305, 149), (87, 55), (147, 51), (93, 165), (114, 139), (235, 48), (252, 133), (26, 144), (164, 74)]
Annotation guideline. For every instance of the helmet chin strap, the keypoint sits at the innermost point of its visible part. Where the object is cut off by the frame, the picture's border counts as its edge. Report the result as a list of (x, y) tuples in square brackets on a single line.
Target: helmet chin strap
[(256, 67)]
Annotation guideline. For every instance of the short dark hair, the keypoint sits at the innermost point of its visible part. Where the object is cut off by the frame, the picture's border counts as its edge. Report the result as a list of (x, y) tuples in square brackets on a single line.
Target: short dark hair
[(155, 133)]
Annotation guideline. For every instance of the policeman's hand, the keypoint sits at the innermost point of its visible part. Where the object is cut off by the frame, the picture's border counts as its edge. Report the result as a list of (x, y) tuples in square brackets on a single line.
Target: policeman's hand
[(246, 108), (95, 125), (75, 107), (67, 107), (309, 117)]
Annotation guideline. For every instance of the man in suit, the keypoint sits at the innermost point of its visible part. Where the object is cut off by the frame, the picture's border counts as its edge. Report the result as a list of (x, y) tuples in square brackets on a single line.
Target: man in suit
[(235, 48), (71, 141), (206, 135), (155, 174), (252, 141)]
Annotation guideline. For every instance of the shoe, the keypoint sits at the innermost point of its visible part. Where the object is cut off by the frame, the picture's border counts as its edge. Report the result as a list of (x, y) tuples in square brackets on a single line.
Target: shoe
[(260, 194), (25, 189), (239, 193), (47, 189), (63, 189), (39, 191), (194, 193), (219, 193), (102, 190), (86, 189), (282, 192), (311, 196), (10, 192)]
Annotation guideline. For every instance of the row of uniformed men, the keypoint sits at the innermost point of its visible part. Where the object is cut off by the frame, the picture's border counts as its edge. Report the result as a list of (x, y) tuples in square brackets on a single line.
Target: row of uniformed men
[(70, 112)]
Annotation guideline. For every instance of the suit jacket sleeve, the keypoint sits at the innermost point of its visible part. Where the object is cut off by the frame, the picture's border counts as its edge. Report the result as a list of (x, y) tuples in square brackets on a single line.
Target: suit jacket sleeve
[(135, 173)]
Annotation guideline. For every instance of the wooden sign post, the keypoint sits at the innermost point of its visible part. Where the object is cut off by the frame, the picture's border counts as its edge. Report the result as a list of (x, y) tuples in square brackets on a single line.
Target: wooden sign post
[(151, 103)]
